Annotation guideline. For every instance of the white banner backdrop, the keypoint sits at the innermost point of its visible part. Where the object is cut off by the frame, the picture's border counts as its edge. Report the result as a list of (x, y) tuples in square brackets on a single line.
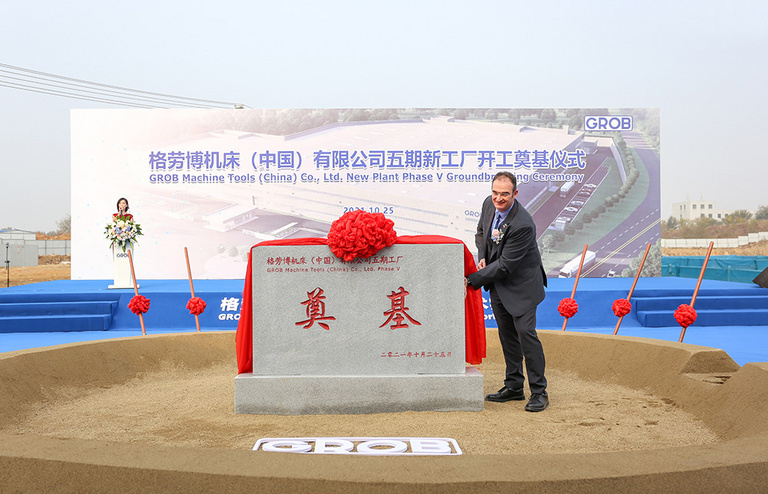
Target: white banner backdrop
[(218, 181)]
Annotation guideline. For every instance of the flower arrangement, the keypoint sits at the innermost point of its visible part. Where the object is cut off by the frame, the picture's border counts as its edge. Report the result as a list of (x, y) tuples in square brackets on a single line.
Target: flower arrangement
[(122, 231), (360, 234)]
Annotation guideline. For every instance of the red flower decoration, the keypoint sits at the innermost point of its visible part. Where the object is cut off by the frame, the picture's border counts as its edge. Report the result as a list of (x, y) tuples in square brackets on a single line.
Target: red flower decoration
[(196, 306), (685, 315), (621, 307), (139, 304), (568, 307), (360, 234)]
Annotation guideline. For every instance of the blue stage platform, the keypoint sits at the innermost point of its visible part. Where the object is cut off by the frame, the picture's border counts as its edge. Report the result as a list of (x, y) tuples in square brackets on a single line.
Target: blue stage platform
[(731, 316)]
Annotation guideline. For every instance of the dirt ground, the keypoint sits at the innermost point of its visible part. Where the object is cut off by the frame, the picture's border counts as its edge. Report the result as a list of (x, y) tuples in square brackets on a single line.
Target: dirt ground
[(755, 249), (156, 414), (194, 409), (176, 406), (49, 268)]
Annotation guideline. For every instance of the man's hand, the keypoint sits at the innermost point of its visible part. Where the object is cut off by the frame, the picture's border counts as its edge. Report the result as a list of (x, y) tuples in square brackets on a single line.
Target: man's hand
[(481, 264)]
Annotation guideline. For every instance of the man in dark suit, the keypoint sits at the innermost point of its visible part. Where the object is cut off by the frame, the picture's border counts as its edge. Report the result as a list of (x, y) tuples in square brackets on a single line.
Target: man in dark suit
[(510, 268)]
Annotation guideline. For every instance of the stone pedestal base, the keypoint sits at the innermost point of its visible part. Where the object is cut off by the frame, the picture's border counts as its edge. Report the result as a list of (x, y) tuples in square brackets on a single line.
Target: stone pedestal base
[(316, 395)]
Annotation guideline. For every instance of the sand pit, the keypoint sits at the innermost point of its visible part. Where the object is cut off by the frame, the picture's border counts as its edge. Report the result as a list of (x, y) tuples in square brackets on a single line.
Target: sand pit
[(159, 410), (177, 406)]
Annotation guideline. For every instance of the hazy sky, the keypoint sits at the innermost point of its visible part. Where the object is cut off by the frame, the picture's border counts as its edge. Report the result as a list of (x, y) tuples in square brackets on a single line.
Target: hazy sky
[(703, 63)]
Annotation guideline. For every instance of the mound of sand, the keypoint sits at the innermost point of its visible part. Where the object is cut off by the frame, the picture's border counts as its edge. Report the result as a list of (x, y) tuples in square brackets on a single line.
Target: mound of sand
[(180, 406), (156, 413)]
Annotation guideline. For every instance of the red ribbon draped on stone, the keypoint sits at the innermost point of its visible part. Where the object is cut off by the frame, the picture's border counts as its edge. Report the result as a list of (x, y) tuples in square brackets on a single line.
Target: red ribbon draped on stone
[(621, 307), (360, 234), (568, 307), (685, 315), (139, 304), (196, 306)]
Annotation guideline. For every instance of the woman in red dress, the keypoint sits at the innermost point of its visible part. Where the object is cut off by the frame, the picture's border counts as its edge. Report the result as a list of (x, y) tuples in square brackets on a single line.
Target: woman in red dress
[(122, 209)]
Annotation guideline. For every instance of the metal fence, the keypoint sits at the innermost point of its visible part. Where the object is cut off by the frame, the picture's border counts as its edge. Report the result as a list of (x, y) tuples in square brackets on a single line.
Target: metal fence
[(720, 243), (742, 269)]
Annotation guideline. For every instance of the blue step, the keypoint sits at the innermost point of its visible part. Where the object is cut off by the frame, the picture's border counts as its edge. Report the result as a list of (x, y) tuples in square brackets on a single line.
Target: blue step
[(45, 324), (702, 302), (705, 317), (57, 308), (48, 297), (735, 310), (55, 313)]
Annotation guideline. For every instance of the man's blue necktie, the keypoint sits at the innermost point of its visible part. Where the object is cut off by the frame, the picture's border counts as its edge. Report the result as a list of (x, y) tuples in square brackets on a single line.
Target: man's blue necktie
[(498, 221)]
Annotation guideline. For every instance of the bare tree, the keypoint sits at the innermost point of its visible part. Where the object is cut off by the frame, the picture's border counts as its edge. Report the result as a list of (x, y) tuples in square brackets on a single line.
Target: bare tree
[(64, 225)]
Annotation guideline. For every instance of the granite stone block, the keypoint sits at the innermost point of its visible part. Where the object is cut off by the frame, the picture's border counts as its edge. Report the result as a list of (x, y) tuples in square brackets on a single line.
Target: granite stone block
[(382, 334), (399, 312)]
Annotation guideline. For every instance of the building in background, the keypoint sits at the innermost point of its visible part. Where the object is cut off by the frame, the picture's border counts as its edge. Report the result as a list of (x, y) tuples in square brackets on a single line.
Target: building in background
[(22, 248), (691, 210)]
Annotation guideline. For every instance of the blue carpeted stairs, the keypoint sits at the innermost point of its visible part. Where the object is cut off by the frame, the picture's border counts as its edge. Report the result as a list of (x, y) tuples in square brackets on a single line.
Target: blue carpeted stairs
[(720, 310), (53, 312)]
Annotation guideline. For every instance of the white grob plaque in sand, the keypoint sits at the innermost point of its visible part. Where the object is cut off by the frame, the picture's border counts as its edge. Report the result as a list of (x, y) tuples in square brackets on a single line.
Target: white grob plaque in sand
[(380, 334)]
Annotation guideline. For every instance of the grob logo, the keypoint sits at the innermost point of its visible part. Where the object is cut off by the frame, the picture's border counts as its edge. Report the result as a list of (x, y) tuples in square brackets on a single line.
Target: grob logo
[(608, 122), (377, 446)]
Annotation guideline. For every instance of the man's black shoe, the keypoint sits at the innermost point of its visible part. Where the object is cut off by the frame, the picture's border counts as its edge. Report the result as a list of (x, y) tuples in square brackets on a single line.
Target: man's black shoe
[(538, 402), (506, 394)]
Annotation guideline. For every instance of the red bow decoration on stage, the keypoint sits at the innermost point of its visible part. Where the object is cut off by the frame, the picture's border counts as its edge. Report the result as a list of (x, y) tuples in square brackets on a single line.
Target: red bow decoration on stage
[(568, 307), (685, 315), (139, 304), (621, 307), (360, 234), (196, 306)]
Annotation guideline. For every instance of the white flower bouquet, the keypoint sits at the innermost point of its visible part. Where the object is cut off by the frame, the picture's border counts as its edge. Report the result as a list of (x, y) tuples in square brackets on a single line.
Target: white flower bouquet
[(122, 231)]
